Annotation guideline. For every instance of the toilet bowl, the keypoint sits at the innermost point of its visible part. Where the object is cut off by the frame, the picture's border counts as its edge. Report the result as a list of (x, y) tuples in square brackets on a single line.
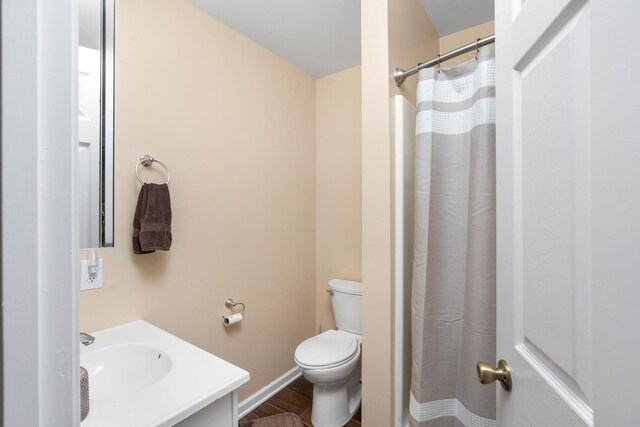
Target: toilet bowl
[(331, 360)]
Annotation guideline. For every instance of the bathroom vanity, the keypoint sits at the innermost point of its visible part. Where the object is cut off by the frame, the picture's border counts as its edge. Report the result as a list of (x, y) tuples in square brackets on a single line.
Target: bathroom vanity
[(140, 375)]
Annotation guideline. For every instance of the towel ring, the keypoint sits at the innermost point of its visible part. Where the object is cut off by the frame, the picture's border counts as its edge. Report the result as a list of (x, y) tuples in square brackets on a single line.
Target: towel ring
[(146, 160)]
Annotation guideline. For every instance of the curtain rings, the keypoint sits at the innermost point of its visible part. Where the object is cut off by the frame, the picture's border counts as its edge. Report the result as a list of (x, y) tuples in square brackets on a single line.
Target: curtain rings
[(439, 67), (477, 48)]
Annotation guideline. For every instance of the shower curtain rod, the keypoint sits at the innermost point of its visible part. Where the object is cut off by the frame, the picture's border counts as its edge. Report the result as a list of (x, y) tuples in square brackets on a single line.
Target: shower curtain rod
[(400, 75)]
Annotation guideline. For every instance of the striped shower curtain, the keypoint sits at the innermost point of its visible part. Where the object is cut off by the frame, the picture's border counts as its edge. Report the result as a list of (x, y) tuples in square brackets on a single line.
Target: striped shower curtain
[(454, 277)]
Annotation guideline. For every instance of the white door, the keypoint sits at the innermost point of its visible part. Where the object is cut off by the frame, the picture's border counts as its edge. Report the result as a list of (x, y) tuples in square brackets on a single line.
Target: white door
[(568, 187)]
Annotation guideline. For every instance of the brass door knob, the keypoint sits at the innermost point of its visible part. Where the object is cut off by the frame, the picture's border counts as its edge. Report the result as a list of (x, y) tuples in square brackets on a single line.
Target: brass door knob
[(488, 374)]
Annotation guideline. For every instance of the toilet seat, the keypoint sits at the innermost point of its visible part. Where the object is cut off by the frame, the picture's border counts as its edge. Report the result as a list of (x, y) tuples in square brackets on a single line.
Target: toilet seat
[(327, 350)]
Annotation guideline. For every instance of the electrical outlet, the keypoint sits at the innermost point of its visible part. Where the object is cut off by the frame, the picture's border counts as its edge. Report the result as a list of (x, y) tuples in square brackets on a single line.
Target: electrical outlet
[(87, 283)]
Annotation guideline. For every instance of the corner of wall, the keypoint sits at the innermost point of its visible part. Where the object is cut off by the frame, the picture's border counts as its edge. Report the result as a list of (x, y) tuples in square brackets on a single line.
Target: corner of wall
[(395, 33), (338, 186)]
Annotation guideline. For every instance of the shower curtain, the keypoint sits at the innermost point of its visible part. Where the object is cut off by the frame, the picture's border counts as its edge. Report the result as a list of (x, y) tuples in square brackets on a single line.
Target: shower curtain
[(454, 274)]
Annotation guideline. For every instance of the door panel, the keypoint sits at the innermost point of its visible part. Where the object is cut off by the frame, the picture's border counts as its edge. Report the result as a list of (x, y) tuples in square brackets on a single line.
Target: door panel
[(544, 213), (555, 203), (537, 22)]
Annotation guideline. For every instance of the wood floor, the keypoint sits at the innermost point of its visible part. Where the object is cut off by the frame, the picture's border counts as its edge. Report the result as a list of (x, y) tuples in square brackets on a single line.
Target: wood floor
[(296, 398)]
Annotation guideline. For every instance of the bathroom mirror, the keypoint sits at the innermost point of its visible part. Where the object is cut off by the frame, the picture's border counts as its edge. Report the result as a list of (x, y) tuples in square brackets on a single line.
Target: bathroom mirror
[(95, 122)]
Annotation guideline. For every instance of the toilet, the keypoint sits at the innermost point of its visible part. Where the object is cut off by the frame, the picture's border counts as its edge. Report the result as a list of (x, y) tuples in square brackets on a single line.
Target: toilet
[(331, 360)]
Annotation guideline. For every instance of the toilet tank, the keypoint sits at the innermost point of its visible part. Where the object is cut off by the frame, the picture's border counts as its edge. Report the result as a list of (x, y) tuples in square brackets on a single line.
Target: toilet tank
[(346, 299)]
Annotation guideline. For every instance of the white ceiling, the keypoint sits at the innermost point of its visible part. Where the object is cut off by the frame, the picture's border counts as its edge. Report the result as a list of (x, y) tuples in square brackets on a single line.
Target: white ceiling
[(322, 37), (451, 16)]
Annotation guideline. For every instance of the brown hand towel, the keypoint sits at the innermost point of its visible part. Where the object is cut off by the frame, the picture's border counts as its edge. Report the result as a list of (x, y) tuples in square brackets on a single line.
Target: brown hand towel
[(152, 219)]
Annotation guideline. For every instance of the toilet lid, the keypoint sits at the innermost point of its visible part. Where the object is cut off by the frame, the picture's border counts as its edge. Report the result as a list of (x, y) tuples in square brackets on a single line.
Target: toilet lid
[(328, 348)]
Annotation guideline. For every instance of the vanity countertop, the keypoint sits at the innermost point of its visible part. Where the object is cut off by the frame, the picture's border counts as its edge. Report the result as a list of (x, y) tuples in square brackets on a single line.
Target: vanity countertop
[(190, 378)]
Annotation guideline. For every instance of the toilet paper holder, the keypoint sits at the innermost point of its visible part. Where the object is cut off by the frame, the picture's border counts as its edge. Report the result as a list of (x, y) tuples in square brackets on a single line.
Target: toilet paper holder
[(234, 318), (230, 303)]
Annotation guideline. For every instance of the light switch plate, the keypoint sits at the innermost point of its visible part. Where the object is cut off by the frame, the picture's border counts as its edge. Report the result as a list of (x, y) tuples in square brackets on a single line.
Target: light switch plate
[(85, 283)]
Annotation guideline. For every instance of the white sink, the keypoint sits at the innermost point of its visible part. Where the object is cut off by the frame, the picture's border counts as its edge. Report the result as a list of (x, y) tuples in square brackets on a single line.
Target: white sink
[(119, 370), (142, 376)]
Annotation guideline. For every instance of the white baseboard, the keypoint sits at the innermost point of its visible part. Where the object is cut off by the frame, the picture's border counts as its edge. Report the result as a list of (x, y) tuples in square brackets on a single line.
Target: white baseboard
[(262, 395)]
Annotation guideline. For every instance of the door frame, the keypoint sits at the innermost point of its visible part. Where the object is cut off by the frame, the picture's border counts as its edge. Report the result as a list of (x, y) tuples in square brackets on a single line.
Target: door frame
[(40, 377), (616, 212)]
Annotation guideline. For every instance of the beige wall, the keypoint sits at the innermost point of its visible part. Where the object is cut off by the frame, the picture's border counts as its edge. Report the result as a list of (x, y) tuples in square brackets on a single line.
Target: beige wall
[(245, 132), (236, 125), (394, 33), (455, 40), (338, 185)]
